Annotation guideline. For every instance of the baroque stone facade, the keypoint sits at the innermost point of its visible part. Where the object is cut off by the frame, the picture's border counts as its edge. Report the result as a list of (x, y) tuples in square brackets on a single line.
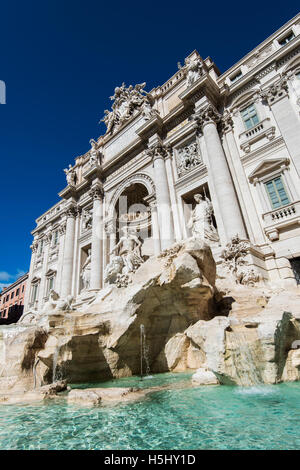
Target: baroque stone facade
[(229, 143)]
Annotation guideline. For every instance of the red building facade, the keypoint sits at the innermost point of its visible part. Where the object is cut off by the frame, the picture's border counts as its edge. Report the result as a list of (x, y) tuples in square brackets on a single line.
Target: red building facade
[(12, 297)]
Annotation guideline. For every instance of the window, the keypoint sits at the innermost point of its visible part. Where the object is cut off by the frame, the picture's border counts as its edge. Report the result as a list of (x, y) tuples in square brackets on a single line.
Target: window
[(41, 247), (250, 116), (18, 292), (277, 193), (34, 292), (23, 288), (50, 284), (236, 77), (12, 295), (55, 238), (286, 38)]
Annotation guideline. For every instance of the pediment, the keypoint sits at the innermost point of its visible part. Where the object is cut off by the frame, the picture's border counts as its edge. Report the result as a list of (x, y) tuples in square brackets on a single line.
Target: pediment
[(50, 272), (35, 280), (268, 166)]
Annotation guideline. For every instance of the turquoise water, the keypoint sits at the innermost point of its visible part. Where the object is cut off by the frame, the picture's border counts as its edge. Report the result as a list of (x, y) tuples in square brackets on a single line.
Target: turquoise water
[(182, 417)]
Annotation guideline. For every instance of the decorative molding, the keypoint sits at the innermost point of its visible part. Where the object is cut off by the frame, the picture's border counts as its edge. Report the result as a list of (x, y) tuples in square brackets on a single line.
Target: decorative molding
[(135, 178), (96, 192), (187, 158), (158, 150), (71, 211), (126, 103), (275, 92), (206, 115)]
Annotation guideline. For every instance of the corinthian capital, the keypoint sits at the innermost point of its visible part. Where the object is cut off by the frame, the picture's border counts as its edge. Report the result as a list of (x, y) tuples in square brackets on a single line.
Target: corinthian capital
[(226, 122), (97, 192), (71, 211), (206, 115), (159, 150), (276, 91)]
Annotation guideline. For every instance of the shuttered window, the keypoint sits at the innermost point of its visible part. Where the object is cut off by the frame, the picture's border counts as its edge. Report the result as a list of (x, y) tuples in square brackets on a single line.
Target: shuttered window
[(250, 116), (277, 193)]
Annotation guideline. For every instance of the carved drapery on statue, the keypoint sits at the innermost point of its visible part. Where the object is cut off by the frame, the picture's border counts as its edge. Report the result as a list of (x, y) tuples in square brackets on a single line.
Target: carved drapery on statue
[(200, 222), (86, 272), (96, 157), (127, 101), (193, 68), (126, 259), (71, 176)]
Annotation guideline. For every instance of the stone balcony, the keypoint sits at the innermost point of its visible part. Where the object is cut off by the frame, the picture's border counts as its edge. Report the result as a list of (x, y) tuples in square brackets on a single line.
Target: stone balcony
[(281, 218), (251, 136)]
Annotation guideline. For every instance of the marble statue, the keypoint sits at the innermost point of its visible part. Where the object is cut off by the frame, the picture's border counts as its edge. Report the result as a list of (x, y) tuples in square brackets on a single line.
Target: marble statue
[(129, 250), (113, 270), (201, 220), (95, 154), (86, 272), (125, 102), (193, 69), (71, 175), (147, 111), (87, 219)]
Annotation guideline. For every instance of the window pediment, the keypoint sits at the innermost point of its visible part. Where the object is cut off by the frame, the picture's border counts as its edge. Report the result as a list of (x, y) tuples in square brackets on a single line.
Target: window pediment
[(266, 167), (50, 272)]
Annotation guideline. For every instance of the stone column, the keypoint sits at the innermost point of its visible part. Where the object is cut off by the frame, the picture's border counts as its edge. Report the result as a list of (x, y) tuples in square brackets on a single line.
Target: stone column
[(165, 218), (62, 232), (175, 212), (30, 276), (47, 241), (111, 230), (252, 221), (207, 119), (97, 238), (278, 99), (66, 282), (155, 228)]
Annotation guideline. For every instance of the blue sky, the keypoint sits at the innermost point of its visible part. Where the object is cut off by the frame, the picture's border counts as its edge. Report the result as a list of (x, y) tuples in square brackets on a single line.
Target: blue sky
[(61, 60)]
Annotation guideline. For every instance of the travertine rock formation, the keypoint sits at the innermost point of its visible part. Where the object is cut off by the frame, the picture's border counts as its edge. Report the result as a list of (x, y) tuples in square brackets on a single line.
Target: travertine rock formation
[(166, 295), (230, 333)]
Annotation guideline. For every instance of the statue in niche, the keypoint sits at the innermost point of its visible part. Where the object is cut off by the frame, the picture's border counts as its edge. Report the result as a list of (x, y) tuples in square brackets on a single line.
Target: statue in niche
[(193, 69), (129, 249), (71, 175), (86, 272), (87, 219), (201, 220), (95, 154)]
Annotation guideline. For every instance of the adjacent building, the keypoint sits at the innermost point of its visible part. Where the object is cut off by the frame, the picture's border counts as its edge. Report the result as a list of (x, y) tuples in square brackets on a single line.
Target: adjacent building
[(12, 300), (233, 138)]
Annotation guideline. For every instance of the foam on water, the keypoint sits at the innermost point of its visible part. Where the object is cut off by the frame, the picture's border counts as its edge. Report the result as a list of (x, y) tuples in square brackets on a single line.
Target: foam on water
[(257, 390)]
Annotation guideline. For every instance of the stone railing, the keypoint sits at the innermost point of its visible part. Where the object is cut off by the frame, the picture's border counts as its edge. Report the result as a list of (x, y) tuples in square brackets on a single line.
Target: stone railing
[(281, 217), (261, 130)]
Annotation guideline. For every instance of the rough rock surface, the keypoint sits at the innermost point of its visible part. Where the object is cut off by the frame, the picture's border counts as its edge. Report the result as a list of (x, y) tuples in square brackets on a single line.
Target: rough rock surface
[(241, 334), (204, 376), (42, 393), (167, 294), (96, 396)]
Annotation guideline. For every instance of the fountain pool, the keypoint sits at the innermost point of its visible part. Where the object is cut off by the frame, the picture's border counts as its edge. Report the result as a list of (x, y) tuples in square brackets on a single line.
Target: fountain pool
[(181, 417)]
